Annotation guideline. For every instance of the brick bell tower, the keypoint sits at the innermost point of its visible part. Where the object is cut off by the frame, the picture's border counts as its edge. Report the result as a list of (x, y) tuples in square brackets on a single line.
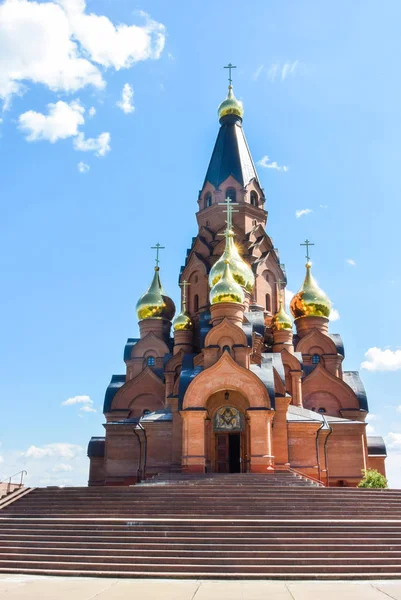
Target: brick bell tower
[(231, 177)]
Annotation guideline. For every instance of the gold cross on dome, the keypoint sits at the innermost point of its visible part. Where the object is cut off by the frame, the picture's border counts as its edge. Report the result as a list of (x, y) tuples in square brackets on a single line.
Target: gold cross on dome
[(307, 244), (230, 67), (281, 289), (183, 285), (158, 247), (229, 210)]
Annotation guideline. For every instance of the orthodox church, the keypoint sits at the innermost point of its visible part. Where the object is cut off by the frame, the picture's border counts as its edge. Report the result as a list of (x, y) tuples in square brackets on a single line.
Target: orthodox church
[(237, 385)]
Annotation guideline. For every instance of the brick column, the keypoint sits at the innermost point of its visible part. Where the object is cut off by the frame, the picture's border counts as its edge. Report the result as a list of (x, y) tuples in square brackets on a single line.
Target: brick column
[(280, 434), (193, 440), (296, 387), (260, 443)]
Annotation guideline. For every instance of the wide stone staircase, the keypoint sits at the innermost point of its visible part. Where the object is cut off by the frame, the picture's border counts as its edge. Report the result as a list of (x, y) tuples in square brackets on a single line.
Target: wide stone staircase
[(214, 526)]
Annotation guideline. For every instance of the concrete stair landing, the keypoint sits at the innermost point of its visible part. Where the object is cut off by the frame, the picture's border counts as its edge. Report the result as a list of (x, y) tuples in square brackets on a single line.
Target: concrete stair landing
[(213, 526)]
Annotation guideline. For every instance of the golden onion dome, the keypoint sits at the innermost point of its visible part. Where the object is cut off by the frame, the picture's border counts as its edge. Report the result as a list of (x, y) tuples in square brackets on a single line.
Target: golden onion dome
[(310, 301), (226, 289), (230, 106), (155, 304), (240, 270), (281, 319), (182, 322)]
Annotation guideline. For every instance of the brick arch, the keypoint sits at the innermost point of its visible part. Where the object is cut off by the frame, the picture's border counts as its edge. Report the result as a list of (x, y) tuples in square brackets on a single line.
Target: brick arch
[(320, 380), (324, 400), (316, 339), (226, 374), (146, 383), (150, 345), (224, 331), (144, 402)]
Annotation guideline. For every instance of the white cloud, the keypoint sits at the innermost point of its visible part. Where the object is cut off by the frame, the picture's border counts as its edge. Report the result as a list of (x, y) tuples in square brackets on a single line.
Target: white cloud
[(1, 460), (87, 408), (370, 428), (92, 111), (303, 211), (371, 417), (83, 167), (85, 403), (62, 467), (114, 46), (56, 44), (334, 315), (257, 73), (100, 145), (323, 205), (274, 165), (36, 46), (267, 164), (288, 297), (282, 71), (393, 441), (77, 400), (272, 72), (126, 99), (382, 360), (288, 69), (351, 262), (62, 121), (60, 449)]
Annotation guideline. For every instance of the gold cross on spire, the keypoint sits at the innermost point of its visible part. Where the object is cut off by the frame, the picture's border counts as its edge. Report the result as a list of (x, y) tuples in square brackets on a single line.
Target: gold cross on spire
[(281, 288), (158, 247), (229, 210), (307, 244), (230, 67), (183, 285)]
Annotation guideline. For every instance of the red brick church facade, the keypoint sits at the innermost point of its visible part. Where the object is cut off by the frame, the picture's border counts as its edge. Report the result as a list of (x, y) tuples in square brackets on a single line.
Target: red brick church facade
[(238, 388)]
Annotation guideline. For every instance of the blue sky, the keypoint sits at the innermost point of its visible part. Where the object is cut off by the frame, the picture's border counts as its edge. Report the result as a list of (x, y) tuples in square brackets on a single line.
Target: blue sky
[(322, 97)]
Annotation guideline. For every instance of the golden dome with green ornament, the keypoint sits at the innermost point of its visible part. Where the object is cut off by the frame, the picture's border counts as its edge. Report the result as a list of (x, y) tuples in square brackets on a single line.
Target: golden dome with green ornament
[(183, 322), (155, 304), (281, 320), (310, 301), (240, 269), (230, 105), (226, 289)]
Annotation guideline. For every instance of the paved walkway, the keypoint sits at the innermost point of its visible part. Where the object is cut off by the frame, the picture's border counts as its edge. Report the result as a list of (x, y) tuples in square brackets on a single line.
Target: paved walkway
[(22, 587)]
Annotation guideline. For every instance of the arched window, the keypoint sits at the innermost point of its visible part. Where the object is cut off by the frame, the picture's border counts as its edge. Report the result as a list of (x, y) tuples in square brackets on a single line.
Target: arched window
[(254, 198), (231, 193), (208, 200), (268, 303), (196, 303), (145, 411), (150, 361), (227, 349), (315, 359)]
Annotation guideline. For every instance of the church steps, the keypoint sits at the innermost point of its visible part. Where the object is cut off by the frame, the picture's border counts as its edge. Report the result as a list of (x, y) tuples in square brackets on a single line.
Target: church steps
[(195, 530), (250, 561), (163, 569), (388, 554), (189, 549), (204, 574)]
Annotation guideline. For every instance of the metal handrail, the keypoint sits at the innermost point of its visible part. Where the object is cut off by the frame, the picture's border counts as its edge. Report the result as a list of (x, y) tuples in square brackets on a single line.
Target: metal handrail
[(310, 477), (22, 473)]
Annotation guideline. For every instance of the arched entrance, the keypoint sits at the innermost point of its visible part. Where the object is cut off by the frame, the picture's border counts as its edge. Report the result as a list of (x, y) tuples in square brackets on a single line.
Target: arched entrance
[(205, 395), (225, 432), (228, 428)]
